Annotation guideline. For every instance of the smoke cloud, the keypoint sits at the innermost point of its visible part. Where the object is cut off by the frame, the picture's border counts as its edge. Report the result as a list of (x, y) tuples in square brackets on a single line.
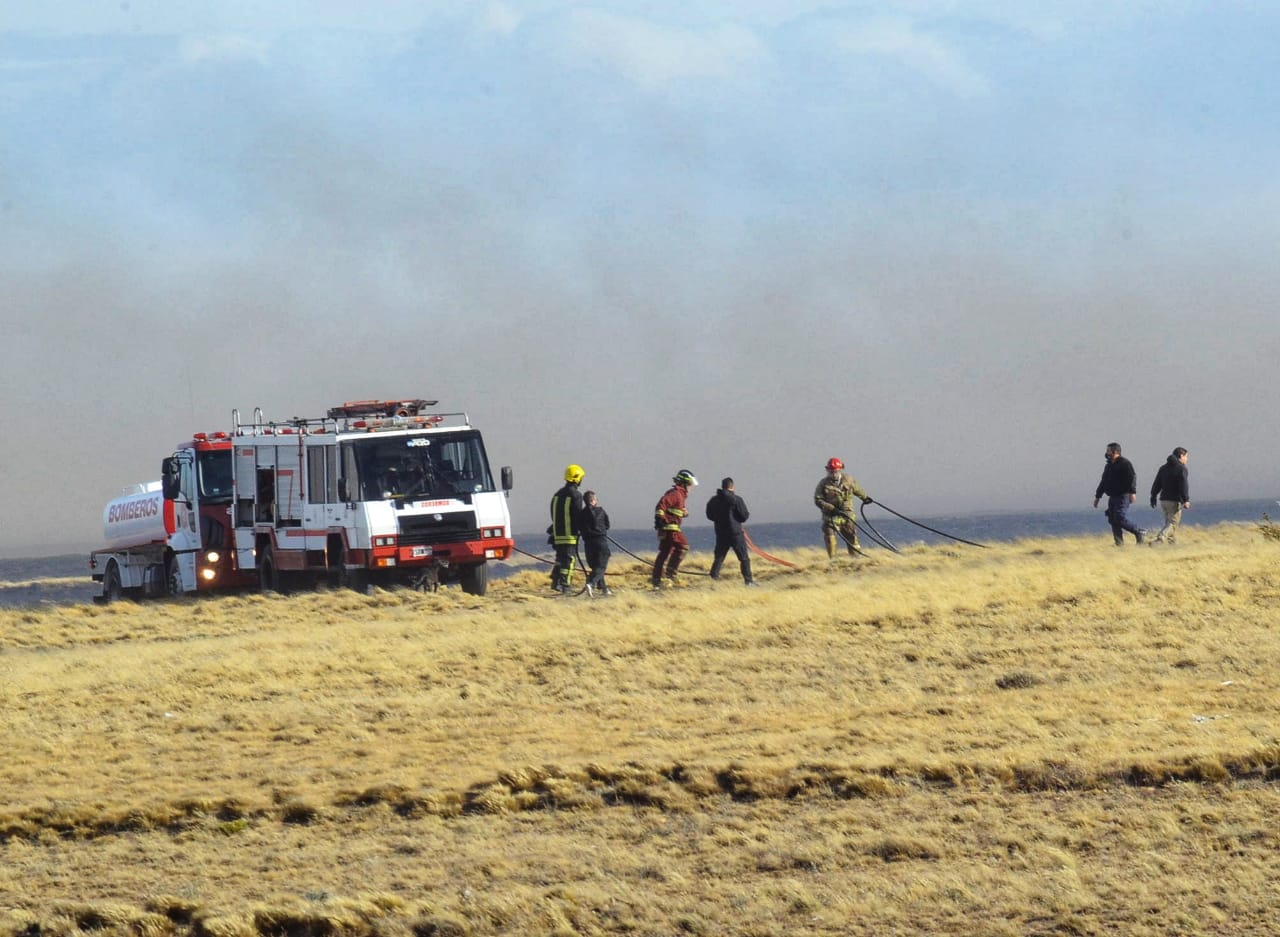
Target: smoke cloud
[(960, 255)]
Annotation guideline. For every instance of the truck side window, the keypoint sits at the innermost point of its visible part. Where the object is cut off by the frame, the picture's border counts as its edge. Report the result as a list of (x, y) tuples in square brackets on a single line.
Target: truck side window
[(171, 477), (266, 494), (316, 488)]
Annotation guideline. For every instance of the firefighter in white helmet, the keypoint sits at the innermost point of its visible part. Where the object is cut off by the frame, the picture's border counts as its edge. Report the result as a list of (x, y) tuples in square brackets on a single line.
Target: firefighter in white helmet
[(668, 516)]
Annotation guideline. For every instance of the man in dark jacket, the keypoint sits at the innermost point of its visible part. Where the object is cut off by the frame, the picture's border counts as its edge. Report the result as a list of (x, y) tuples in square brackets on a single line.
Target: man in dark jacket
[(1173, 489), (593, 526), (1119, 483), (729, 512)]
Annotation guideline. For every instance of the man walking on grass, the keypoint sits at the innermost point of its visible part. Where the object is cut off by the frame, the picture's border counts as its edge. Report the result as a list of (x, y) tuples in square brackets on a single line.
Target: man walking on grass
[(593, 525), (1119, 483), (729, 512), (1174, 491)]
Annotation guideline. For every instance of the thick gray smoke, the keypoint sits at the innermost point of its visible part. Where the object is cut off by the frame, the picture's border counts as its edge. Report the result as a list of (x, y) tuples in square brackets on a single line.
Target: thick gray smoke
[(961, 261)]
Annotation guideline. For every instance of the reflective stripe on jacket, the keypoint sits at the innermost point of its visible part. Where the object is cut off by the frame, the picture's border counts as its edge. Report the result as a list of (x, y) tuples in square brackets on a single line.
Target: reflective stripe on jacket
[(670, 512), (566, 505)]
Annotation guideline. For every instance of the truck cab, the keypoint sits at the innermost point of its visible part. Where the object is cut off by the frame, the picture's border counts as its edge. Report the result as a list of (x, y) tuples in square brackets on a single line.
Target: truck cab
[(375, 493)]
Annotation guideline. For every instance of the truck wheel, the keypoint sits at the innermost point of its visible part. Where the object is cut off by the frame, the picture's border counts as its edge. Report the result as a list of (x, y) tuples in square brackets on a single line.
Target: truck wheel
[(357, 580), (172, 580), (268, 575), (475, 578), (112, 591)]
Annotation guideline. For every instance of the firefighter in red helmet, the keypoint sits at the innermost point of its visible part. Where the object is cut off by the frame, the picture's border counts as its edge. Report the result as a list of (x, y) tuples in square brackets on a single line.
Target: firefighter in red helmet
[(834, 498)]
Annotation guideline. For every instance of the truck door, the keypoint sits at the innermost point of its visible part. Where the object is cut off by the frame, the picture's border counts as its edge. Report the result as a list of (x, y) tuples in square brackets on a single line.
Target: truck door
[(323, 511), (185, 539)]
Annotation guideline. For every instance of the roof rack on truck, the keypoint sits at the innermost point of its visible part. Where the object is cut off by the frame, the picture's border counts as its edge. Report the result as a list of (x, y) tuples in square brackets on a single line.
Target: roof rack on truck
[(375, 408), (355, 415)]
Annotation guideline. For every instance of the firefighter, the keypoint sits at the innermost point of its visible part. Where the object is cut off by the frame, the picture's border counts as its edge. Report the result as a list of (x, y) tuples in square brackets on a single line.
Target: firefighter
[(834, 498), (667, 518), (566, 505)]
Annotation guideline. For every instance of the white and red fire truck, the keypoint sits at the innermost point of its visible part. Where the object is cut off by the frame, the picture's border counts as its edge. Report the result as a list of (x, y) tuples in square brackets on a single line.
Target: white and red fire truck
[(374, 493)]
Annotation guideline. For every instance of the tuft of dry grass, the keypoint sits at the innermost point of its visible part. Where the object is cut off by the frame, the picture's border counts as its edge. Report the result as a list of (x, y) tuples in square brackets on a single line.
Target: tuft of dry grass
[(1047, 736), (1269, 528)]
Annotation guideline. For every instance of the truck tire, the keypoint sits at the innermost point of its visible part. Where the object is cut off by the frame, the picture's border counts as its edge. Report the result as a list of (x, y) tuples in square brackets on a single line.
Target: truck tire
[(172, 579), (475, 578), (357, 580), (268, 574), (112, 590)]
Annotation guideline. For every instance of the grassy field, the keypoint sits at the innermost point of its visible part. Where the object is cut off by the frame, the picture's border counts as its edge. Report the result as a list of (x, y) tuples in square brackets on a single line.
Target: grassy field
[(1048, 737)]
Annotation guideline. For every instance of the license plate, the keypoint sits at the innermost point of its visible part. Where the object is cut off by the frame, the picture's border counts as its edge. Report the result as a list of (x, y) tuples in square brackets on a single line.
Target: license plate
[(420, 552)]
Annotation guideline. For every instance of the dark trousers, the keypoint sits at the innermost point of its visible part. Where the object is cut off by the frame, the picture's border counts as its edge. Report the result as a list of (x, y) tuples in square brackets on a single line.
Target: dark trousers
[(566, 556), (598, 554), (1118, 517), (738, 544), (672, 546)]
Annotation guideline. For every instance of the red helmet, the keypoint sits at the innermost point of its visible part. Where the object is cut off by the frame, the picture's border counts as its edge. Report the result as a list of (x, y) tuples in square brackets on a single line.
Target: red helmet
[(834, 464)]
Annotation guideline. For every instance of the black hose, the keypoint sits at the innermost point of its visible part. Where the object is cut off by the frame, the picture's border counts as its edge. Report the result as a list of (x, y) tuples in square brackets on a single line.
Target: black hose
[(932, 530), (649, 563), (856, 548), (875, 535), (543, 559), (534, 556), (629, 553)]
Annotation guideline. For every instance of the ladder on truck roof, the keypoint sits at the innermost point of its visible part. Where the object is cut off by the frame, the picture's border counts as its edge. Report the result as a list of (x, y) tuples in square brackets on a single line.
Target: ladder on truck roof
[(365, 415), (376, 408)]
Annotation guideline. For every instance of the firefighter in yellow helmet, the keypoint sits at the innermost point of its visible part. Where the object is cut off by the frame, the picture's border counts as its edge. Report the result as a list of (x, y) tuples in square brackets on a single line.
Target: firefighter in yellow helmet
[(834, 498), (566, 505)]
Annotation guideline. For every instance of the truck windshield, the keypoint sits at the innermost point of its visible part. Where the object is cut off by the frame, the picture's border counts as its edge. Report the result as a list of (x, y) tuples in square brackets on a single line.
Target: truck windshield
[(449, 465), (214, 471)]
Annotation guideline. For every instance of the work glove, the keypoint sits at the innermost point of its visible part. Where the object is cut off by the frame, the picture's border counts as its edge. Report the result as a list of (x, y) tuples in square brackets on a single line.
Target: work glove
[(1153, 502), (867, 500)]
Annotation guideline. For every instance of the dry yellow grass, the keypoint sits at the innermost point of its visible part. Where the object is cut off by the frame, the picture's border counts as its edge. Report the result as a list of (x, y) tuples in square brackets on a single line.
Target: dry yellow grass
[(1045, 737)]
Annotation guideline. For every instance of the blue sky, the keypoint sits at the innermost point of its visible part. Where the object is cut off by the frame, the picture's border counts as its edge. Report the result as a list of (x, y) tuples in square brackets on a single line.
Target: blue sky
[(961, 245)]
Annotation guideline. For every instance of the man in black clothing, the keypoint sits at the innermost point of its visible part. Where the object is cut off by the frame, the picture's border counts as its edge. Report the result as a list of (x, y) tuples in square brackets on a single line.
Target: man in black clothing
[(1174, 491), (1119, 483), (593, 526), (729, 512)]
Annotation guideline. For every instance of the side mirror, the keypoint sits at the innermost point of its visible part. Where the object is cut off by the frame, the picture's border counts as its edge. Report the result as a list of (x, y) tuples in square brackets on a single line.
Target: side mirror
[(508, 478), (170, 478)]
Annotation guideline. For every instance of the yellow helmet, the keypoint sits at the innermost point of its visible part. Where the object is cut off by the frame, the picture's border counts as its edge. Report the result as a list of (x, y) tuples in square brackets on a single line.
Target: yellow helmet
[(573, 474)]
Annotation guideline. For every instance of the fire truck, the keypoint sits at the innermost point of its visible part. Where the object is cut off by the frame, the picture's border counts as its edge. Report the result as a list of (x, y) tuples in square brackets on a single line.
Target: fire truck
[(375, 493)]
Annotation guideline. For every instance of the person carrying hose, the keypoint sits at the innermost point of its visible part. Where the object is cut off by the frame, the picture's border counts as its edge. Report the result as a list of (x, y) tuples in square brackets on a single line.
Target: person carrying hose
[(834, 498)]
